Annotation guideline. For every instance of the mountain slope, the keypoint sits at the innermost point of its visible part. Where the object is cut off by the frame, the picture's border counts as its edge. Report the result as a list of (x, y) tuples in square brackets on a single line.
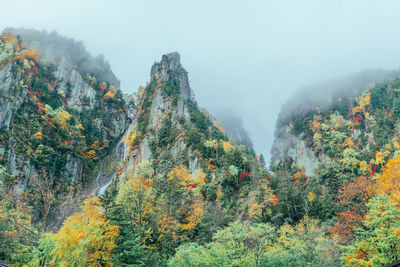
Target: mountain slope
[(56, 122), (327, 156), (164, 168)]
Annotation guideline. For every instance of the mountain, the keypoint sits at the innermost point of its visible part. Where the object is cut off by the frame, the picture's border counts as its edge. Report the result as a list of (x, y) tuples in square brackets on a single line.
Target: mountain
[(54, 116), (90, 176), (335, 158), (68, 134)]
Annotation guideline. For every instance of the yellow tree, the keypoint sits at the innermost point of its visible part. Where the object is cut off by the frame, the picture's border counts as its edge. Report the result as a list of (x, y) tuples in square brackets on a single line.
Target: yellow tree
[(226, 145), (38, 135), (110, 93), (135, 196), (183, 205), (389, 181), (32, 54), (260, 199), (86, 238), (62, 117), (130, 140)]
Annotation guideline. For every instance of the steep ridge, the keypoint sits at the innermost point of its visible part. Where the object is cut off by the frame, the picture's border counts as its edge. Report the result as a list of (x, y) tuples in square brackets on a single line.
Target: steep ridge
[(324, 146), (62, 121), (153, 168), (335, 96), (162, 110), (177, 161), (57, 118)]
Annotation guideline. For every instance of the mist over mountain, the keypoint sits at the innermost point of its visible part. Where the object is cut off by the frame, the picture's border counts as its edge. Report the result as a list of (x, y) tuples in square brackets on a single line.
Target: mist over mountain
[(324, 93), (58, 49), (234, 127), (155, 153)]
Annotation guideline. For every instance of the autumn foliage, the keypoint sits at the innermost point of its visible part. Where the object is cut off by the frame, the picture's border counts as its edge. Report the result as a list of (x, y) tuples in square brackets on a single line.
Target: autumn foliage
[(389, 181), (86, 238)]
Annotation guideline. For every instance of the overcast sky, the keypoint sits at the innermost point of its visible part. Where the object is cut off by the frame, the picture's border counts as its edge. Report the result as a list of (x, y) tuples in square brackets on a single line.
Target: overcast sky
[(248, 56)]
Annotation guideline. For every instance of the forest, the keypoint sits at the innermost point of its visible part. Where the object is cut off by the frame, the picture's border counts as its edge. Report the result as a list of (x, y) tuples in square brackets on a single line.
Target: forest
[(180, 192)]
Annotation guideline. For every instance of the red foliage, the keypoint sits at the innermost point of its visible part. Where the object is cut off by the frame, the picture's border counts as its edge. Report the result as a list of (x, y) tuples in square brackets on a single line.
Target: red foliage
[(191, 186), (354, 195), (359, 117), (247, 174), (353, 198), (275, 200), (345, 226)]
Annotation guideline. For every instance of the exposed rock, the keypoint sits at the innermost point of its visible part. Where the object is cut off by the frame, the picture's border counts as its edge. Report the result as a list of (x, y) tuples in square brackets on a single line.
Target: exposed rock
[(194, 166), (294, 147), (170, 65), (79, 89), (156, 113), (145, 152), (10, 98), (74, 168)]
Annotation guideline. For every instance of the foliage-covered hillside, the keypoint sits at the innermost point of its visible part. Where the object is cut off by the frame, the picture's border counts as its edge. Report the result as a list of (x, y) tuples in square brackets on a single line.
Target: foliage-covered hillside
[(56, 123), (160, 183), (338, 163), (177, 179)]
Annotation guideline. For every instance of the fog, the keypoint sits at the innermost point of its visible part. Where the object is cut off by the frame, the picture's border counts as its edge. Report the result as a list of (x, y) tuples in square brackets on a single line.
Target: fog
[(245, 56)]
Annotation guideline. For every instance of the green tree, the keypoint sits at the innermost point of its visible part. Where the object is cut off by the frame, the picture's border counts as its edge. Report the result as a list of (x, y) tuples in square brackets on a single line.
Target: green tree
[(17, 234), (378, 241), (240, 244)]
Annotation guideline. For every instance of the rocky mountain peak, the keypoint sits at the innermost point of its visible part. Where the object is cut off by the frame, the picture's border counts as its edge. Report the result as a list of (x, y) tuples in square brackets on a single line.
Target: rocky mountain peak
[(169, 62), (170, 69)]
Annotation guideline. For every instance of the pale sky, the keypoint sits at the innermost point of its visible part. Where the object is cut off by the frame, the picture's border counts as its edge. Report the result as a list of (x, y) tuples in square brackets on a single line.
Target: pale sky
[(247, 56)]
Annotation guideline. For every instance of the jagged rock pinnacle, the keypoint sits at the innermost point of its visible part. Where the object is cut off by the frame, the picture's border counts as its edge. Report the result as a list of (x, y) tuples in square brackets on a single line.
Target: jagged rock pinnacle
[(170, 68)]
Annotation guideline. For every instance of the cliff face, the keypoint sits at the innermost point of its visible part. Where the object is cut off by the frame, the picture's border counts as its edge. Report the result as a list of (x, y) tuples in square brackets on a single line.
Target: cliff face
[(53, 113), (11, 99)]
